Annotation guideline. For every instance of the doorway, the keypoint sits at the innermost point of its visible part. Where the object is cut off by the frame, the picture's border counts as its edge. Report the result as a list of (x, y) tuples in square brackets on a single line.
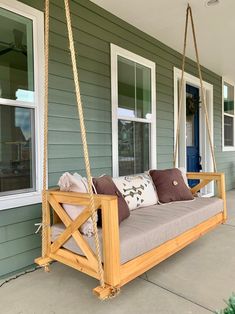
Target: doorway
[(194, 151), (192, 131)]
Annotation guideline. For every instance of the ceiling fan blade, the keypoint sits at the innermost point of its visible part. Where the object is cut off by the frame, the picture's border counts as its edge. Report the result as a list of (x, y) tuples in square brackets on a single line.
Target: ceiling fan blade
[(4, 51)]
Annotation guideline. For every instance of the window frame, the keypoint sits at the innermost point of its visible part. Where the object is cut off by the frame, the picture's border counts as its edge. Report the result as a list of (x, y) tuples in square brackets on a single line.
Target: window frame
[(227, 148), (117, 51), (37, 17)]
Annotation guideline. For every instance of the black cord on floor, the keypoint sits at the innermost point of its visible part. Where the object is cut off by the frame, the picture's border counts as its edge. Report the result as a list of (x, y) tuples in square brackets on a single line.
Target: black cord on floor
[(20, 275), (176, 293), (229, 225)]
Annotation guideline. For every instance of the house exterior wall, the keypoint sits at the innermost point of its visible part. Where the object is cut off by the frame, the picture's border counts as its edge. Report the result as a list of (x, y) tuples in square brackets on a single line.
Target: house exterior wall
[(94, 30)]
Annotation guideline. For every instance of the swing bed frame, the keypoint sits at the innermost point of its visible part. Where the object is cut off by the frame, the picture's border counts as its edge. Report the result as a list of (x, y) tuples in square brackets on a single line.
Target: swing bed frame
[(109, 270), (116, 274)]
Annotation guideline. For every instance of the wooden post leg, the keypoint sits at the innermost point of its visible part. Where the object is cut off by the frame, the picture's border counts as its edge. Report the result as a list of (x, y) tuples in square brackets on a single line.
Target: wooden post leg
[(43, 262), (46, 239), (47, 222), (111, 249), (47, 268), (106, 293), (222, 194), (111, 242)]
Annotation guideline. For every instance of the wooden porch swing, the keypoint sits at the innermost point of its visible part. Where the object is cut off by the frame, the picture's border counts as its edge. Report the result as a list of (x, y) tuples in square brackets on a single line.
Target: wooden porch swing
[(108, 269)]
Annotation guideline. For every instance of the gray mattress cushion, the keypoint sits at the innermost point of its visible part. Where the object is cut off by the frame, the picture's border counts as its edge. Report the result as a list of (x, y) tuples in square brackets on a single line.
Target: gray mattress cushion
[(149, 227)]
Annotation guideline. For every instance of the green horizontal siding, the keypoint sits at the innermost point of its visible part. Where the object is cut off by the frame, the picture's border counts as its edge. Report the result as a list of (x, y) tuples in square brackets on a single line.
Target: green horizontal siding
[(18, 243), (94, 30)]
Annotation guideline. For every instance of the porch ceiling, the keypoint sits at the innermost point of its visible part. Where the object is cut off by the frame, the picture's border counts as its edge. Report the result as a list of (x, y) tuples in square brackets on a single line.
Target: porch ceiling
[(165, 20)]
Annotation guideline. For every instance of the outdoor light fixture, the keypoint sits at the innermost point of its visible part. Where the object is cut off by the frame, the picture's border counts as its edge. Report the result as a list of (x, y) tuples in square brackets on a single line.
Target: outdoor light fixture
[(210, 3)]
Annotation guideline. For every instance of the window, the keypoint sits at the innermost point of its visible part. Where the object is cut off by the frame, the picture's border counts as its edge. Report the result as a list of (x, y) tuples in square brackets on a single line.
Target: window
[(228, 117), (20, 60), (133, 112)]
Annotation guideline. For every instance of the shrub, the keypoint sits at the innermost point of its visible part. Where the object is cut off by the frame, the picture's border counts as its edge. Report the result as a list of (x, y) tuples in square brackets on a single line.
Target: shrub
[(230, 309)]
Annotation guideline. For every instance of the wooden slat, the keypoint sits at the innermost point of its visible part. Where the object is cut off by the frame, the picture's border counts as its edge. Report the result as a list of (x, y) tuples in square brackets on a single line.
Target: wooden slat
[(73, 260), (43, 261), (139, 265), (103, 293), (80, 196), (222, 194), (199, 186), (204, 175), (71, 200), (56, 219)]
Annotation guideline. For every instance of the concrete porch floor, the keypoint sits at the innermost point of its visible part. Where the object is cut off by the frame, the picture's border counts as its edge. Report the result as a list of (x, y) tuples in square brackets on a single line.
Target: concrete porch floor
[(195, 280)]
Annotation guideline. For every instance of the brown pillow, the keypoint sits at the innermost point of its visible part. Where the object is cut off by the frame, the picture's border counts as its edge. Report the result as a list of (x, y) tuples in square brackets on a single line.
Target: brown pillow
[(170, 185), (105, 185)]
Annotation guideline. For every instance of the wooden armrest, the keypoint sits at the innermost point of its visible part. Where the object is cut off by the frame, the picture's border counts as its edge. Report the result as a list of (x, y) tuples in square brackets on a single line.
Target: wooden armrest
[(111, 242), (110, 225), (207, 177), (78, 198)]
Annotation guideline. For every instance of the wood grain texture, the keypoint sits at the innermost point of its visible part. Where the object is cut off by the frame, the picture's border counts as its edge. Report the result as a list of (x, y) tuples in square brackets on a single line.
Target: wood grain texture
[(115, 273), (141, 264)]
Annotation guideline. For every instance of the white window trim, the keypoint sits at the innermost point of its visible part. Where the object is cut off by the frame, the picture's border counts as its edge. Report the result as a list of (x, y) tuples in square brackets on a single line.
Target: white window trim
[(227, 148), (115, 52), (23, 199)]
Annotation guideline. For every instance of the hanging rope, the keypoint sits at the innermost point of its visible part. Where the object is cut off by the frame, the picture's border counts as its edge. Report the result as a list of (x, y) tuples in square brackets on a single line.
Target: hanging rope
[(203, 96), (203, 91), (84, 140), (181, 89), (45, 144)]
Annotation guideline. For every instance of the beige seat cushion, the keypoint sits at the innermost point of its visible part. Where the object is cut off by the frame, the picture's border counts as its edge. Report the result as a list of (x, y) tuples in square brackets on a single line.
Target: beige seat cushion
[(149, 227)]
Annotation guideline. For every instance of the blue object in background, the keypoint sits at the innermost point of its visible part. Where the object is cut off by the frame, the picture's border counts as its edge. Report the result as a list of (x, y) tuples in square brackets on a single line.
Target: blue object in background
[(192, 132)]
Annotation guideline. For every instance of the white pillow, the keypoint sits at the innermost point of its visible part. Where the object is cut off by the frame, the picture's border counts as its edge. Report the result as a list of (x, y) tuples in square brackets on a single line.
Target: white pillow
[(76, 183), (138, 191)]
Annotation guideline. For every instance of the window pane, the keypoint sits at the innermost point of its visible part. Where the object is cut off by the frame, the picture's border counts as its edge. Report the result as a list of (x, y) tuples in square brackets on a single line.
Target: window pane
[(126, 87), (16, 57), (143, 92), (228, 131), (16, 155), (228, 98), (134, 89), (133, 147)]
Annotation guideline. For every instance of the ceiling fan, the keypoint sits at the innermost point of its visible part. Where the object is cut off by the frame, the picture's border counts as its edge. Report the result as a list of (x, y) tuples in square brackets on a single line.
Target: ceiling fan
[(16, 45)]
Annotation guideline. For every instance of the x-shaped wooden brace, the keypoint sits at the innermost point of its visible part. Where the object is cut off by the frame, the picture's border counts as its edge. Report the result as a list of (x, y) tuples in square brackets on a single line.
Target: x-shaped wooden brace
[(200, 185), (72, 230)]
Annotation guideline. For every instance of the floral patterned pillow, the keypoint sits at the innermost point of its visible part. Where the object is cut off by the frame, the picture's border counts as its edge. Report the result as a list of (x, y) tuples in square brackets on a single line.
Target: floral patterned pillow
[(138, 191)]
